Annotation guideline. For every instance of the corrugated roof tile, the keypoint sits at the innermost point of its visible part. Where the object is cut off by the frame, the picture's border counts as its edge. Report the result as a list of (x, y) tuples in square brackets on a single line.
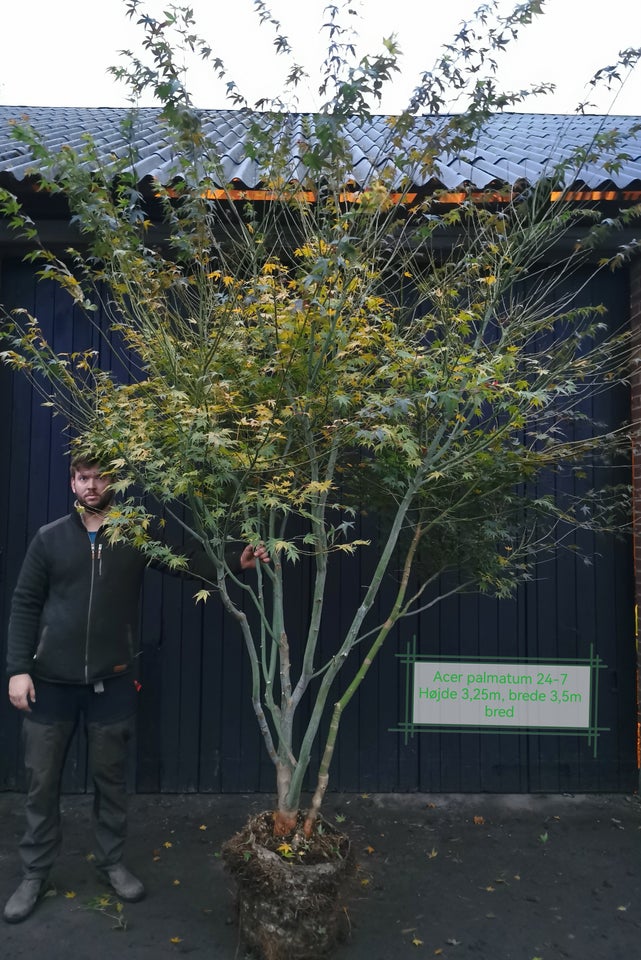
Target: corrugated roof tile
[(511, 146)]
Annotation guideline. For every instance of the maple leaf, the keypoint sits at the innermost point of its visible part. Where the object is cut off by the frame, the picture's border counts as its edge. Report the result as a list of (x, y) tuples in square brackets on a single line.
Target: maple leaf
[(167, 844), (370, 850), (417, 942), (70, 894), (286, 850), (176, 940)]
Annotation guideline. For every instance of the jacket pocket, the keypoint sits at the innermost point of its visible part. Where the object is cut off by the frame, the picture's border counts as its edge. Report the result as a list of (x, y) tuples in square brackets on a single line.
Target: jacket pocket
[(42, 642)]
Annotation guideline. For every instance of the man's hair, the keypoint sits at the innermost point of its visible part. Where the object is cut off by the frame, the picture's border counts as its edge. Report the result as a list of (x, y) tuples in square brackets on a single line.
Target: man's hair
[(81, 460)]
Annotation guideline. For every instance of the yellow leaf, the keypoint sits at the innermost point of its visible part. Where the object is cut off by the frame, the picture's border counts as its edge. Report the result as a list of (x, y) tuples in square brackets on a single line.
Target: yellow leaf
[(369, 850), (167, 844), (176, 883), (176, 940), (433, 853), (70, 894), (202, 827), (365, 882), (285, 848), (417, 942)]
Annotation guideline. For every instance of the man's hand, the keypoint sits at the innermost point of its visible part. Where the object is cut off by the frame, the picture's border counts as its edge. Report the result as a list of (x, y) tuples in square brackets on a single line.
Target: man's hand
[(21, 691), (250, 555)]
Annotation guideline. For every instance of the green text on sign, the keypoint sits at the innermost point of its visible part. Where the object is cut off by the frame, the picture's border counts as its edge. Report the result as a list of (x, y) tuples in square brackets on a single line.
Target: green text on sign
[(458, 693)]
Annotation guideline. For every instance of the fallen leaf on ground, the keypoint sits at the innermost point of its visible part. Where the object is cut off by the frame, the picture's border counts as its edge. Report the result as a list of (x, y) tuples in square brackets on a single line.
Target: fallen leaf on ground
[(370, 850), (70, 894), (176, 940), (176, 883), (167, 844), (479, 820), (202, 826), (433, 853), (417, 942)]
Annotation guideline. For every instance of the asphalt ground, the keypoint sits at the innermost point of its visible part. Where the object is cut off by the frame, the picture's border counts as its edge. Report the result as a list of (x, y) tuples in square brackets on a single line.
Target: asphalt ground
[(491, 877)]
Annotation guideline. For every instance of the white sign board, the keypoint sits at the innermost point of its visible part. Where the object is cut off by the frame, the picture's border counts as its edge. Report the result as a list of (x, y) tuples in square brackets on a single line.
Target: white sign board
[(454, 693)]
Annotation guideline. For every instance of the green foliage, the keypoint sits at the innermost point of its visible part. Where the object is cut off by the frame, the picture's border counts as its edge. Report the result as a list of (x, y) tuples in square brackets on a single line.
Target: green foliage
[(296, 358)]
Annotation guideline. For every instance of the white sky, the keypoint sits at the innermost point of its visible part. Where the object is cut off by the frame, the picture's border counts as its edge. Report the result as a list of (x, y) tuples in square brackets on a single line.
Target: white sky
[(56, 52)]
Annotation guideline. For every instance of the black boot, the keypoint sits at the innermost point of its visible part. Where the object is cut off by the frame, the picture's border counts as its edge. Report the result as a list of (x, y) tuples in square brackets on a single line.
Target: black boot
[(121, 880), (24, 901)]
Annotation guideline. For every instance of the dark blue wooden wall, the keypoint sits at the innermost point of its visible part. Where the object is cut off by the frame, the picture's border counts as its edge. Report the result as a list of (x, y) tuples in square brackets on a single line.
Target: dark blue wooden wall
[(196, 729)]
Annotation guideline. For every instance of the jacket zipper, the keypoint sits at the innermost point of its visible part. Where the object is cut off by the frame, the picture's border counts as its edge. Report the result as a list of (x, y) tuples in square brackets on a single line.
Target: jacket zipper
[(94, 553)]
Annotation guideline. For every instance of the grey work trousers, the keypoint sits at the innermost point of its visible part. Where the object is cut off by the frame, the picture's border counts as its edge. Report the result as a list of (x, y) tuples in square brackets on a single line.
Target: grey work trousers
[(45, 748)]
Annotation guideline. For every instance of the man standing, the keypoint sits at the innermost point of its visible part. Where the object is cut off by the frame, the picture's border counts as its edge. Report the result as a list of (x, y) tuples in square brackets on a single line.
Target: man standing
[(72, 631)]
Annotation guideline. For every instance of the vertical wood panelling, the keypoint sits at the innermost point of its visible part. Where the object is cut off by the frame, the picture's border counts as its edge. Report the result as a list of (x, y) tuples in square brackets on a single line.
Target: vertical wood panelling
[(197, 729)]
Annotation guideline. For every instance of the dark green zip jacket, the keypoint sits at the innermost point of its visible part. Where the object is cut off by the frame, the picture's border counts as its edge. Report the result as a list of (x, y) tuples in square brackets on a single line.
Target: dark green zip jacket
[(74, 613)]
